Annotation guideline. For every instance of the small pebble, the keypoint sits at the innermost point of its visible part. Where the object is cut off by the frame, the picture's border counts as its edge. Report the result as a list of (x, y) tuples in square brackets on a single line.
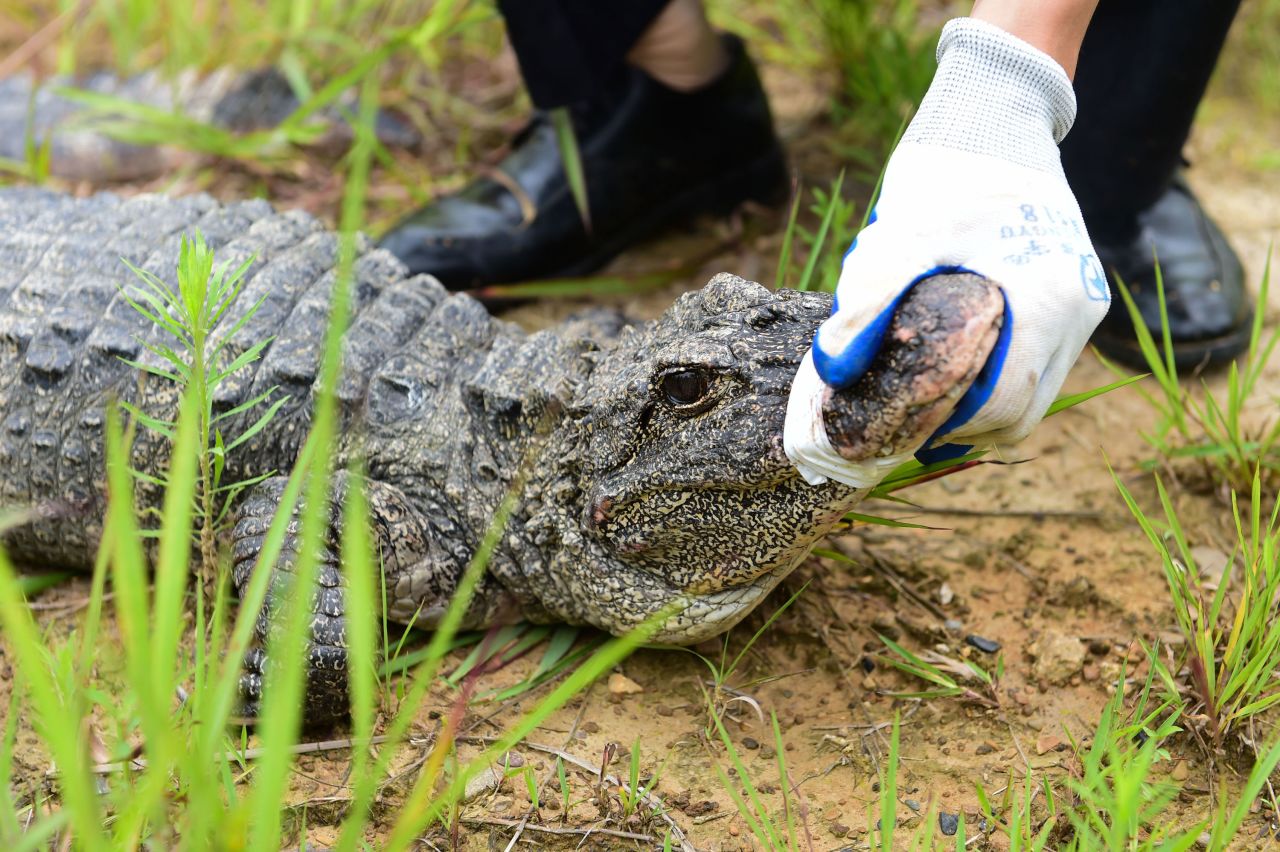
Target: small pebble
[(485, 782), (620, 684), (839, 829), (1058, 657), (1047, 743), (1099, 647), (986, 646), (913, 804), (948, 823), (951, 625), (751, 743), (945, 594), (1181, 771), (885, 626), (984, 748)]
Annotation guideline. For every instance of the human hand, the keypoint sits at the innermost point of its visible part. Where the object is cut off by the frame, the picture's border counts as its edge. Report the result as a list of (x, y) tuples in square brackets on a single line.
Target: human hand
[(975, 185)]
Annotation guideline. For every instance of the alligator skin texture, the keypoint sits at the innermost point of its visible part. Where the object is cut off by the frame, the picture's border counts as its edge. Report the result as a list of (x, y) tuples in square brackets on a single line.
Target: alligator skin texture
[(645, 461)]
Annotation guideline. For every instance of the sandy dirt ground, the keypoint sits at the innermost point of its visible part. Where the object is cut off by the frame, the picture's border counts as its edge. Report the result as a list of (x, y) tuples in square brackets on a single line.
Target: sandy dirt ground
[(1041, 558)]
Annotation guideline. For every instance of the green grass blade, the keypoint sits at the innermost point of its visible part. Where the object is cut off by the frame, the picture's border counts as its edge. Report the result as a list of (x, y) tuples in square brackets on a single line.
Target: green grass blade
[(533, 682), (33, 584), (580, 288), (788, 236), (59, 729), (876, 520), (281, 707), (819, 240), (357, 561), (571, 159), (726, 672), (1062, 403), (889, 789), (766, 830), (784, 781), (488, 648)]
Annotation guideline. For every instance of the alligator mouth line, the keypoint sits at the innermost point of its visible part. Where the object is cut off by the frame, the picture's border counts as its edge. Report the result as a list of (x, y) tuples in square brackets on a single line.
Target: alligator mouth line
[(706, 615)]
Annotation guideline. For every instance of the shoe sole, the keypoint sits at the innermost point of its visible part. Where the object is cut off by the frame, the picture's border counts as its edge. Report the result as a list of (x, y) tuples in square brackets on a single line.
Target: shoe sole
[(764, 181), (1187, 356)]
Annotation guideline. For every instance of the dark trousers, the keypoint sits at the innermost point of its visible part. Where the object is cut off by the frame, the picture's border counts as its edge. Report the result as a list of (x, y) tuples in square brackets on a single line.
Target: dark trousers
[(1143, 69)]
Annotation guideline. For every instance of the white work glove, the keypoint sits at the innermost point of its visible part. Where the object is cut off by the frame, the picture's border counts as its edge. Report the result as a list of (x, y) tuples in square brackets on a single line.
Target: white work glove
[(975, 185)]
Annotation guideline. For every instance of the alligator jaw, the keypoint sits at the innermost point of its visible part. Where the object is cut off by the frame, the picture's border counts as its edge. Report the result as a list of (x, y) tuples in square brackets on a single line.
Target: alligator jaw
[(934, 350)]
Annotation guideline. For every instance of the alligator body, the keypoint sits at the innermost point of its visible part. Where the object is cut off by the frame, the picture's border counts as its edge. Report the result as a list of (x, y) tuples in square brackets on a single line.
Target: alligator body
[(80, 143), (647, 459)]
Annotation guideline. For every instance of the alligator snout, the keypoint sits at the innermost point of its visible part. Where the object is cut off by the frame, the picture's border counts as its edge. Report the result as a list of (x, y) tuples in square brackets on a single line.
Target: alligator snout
[(935, 348)]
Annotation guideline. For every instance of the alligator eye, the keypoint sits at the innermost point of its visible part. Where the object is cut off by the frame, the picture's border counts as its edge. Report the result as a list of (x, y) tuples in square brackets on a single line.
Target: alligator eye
[(685, 387)]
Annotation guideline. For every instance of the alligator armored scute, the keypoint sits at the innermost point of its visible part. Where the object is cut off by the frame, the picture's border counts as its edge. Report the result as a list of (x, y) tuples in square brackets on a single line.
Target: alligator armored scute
[(649, 456)]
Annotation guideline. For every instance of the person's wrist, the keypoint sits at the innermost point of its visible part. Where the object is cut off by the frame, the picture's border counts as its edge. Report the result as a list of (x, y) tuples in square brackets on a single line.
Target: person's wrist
[(995, 95), (1056, 27)]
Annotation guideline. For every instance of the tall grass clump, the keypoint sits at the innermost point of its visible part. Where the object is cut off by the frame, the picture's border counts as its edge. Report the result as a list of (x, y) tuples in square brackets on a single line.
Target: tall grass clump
[(1120, 792), (1232, 635), (770, 829), (1252, 68), (1201, 427), (884, 60), (822, 247), (1117, 796)]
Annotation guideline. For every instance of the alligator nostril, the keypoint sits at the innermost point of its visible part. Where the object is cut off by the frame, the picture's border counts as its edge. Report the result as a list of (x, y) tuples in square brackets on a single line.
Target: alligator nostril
[(600, 510)]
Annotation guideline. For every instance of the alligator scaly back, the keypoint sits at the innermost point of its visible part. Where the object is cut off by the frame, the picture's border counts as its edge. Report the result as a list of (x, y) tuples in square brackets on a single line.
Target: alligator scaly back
[(66, 331)]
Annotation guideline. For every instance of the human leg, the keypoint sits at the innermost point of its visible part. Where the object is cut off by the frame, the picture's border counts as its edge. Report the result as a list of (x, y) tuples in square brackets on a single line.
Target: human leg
[(668, 129), (1143, 70)]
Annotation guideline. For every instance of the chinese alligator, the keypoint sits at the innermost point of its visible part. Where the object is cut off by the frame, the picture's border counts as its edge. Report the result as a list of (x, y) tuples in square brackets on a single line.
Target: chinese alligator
[(649, 456)]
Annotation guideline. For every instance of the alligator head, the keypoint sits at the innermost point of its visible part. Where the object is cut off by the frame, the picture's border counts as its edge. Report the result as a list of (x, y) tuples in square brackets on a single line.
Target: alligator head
[(682, 494)]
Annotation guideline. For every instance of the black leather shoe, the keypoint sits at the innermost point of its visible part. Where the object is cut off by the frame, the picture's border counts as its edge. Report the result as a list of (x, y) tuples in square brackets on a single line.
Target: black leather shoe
[(653, 158), (1209, 312)]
